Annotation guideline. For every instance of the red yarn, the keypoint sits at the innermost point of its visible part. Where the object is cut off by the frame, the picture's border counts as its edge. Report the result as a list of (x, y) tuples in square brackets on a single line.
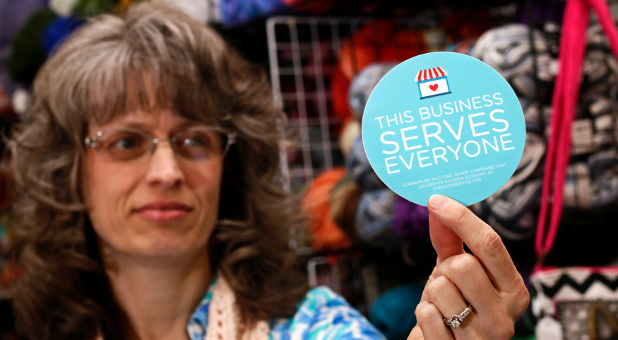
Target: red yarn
[(377, 41)]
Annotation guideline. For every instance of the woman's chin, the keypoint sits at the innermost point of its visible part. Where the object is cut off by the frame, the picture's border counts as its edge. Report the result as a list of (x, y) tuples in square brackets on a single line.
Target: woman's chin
[(156, 250)]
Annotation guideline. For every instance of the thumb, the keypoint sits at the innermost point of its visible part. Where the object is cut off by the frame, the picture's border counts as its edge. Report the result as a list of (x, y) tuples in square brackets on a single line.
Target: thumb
[(444, 240)]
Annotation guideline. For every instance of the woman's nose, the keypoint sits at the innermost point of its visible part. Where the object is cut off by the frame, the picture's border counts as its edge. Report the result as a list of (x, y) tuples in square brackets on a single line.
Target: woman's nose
[(163, 167)]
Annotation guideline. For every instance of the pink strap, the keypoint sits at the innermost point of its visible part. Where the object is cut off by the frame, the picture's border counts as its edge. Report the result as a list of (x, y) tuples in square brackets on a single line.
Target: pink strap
[(564, 106)]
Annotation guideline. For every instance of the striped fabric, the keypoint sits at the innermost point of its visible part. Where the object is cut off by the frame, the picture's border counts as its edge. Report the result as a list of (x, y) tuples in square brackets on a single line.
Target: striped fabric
[(430, 73)]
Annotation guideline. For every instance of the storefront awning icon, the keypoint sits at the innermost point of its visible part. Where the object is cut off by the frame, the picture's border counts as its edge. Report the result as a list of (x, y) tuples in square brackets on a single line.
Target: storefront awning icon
[(432, 82)]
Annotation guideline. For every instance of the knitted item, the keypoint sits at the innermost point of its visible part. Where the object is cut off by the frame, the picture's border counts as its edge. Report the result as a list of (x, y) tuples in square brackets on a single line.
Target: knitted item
[(224, 317), (374, 218), (362, 85), (511, 211), (507, 49), (600, 69), (358, 167), (564, 106), (391, 311), (411, 221), (325, 234)]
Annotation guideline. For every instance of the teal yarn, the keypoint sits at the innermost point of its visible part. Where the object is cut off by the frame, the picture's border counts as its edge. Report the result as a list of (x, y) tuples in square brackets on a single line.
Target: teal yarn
[(393, 312)]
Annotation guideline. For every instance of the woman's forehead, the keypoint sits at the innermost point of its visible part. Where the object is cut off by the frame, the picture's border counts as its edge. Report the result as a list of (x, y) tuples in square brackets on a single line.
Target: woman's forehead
[(148, 118), (143, 92)]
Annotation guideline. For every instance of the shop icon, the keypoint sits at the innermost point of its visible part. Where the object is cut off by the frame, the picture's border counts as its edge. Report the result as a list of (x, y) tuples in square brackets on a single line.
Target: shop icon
[(432, 82)]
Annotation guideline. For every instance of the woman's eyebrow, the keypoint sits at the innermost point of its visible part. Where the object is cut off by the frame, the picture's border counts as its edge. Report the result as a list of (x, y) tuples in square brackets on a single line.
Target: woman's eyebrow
[(147, 125), (124, 124), (189, 124)]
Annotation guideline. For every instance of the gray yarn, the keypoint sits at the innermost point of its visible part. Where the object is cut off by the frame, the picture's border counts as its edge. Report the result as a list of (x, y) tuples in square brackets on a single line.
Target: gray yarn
[(360, 169), (374, 218), (600, 70), (362, 85), (507, 50)]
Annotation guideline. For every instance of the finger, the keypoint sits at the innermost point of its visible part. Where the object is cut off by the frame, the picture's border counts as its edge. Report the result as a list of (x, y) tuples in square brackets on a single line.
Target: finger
[(430, 321), (469, 278), (482, 240), (444, 240), (416, 334), (446, 296)]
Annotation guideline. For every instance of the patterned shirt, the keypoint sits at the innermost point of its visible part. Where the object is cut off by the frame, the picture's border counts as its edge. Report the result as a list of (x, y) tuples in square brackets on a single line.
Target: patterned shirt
[(322, 314)]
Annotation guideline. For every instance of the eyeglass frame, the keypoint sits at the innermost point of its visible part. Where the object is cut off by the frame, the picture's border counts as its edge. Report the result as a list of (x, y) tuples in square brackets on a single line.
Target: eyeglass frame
[(91, 141)]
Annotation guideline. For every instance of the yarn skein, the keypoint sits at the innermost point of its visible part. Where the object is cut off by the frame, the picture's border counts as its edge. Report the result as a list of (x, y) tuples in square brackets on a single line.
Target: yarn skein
[(360, 169), (325, 233), (507, 49)]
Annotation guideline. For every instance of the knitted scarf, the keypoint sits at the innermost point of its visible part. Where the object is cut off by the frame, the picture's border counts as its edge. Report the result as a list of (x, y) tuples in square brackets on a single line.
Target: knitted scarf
[(224, 317)]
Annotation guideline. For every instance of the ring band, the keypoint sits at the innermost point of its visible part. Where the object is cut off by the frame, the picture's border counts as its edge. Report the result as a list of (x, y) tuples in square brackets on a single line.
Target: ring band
[(456, 320)]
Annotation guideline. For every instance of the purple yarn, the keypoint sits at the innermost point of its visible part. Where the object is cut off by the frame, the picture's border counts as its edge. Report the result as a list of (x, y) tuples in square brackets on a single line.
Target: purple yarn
[(411, 221), (545, 11)]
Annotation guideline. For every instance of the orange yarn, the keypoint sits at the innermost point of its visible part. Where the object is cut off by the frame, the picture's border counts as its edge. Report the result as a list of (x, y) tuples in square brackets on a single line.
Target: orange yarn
[(325, 233)]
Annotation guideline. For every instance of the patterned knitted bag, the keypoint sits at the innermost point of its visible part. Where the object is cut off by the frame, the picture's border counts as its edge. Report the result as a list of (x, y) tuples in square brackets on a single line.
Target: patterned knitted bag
[(557, 289)]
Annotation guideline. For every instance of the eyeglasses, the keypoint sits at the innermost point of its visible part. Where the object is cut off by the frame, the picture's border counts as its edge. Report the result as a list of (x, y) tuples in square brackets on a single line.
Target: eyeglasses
[(200, 143)]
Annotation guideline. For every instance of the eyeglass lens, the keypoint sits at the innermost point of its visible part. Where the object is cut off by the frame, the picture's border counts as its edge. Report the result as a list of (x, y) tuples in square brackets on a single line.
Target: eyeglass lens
[(196, 144)]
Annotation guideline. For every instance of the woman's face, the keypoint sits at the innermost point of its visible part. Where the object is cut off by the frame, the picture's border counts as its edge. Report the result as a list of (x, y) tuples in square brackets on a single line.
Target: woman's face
[(160, 206)]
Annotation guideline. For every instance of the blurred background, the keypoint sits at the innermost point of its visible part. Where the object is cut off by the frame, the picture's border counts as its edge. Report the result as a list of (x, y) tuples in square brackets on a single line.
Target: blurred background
[(324, 58)]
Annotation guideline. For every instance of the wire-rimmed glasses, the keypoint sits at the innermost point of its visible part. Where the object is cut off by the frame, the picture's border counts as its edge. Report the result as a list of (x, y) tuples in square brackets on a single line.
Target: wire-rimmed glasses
[(199, 143)]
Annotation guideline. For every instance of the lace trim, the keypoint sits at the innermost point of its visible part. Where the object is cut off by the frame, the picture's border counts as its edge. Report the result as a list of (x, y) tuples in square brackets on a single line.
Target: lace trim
[(224, 317)]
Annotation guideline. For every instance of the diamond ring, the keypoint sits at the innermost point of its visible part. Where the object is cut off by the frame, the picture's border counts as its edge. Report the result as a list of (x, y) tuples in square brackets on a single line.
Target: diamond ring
[(456, 320)]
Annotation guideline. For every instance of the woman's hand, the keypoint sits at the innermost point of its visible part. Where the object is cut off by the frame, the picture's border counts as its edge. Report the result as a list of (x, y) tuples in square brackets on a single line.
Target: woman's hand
[(486, 281)]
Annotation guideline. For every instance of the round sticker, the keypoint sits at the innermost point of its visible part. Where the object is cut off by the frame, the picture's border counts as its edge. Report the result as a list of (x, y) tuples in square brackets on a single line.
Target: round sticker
[(443, 123)]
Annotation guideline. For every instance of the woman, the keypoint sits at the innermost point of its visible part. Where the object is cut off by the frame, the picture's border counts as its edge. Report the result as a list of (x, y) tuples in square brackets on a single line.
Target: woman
[(151, 206)]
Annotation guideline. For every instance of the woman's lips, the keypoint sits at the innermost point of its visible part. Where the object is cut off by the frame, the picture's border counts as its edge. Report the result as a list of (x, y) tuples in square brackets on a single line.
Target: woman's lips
[(164, 211), (163, 215)]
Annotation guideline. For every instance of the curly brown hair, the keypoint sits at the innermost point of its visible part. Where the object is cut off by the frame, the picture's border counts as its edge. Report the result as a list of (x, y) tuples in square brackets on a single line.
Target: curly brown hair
[(64, 293)]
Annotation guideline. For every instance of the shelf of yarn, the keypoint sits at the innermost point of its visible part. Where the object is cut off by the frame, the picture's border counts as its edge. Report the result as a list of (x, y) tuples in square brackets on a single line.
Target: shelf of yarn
[(312, 63)]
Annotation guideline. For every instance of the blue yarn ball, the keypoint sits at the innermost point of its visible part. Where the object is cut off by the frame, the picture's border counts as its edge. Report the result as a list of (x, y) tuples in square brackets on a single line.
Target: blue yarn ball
[(238, 12), (56, 33), (393, 312)]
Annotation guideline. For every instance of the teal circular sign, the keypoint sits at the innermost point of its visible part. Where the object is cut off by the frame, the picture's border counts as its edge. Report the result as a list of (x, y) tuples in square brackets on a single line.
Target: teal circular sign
[(443, 123)]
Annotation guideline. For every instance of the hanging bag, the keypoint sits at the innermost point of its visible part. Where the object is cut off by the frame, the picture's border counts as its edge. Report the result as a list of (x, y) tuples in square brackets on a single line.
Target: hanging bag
[(565, 296)]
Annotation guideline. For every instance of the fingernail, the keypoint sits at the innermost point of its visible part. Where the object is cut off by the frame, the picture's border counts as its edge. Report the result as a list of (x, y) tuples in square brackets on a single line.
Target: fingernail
[(437, 202)]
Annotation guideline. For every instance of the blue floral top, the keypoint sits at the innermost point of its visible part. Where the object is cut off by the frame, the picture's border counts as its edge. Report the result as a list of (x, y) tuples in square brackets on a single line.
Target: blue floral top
[(321, 315)]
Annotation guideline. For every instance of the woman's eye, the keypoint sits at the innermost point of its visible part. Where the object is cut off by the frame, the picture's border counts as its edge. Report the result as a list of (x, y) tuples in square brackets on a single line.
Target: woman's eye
[(125, 145), (199, 145), (196, 140), (127, 142)]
